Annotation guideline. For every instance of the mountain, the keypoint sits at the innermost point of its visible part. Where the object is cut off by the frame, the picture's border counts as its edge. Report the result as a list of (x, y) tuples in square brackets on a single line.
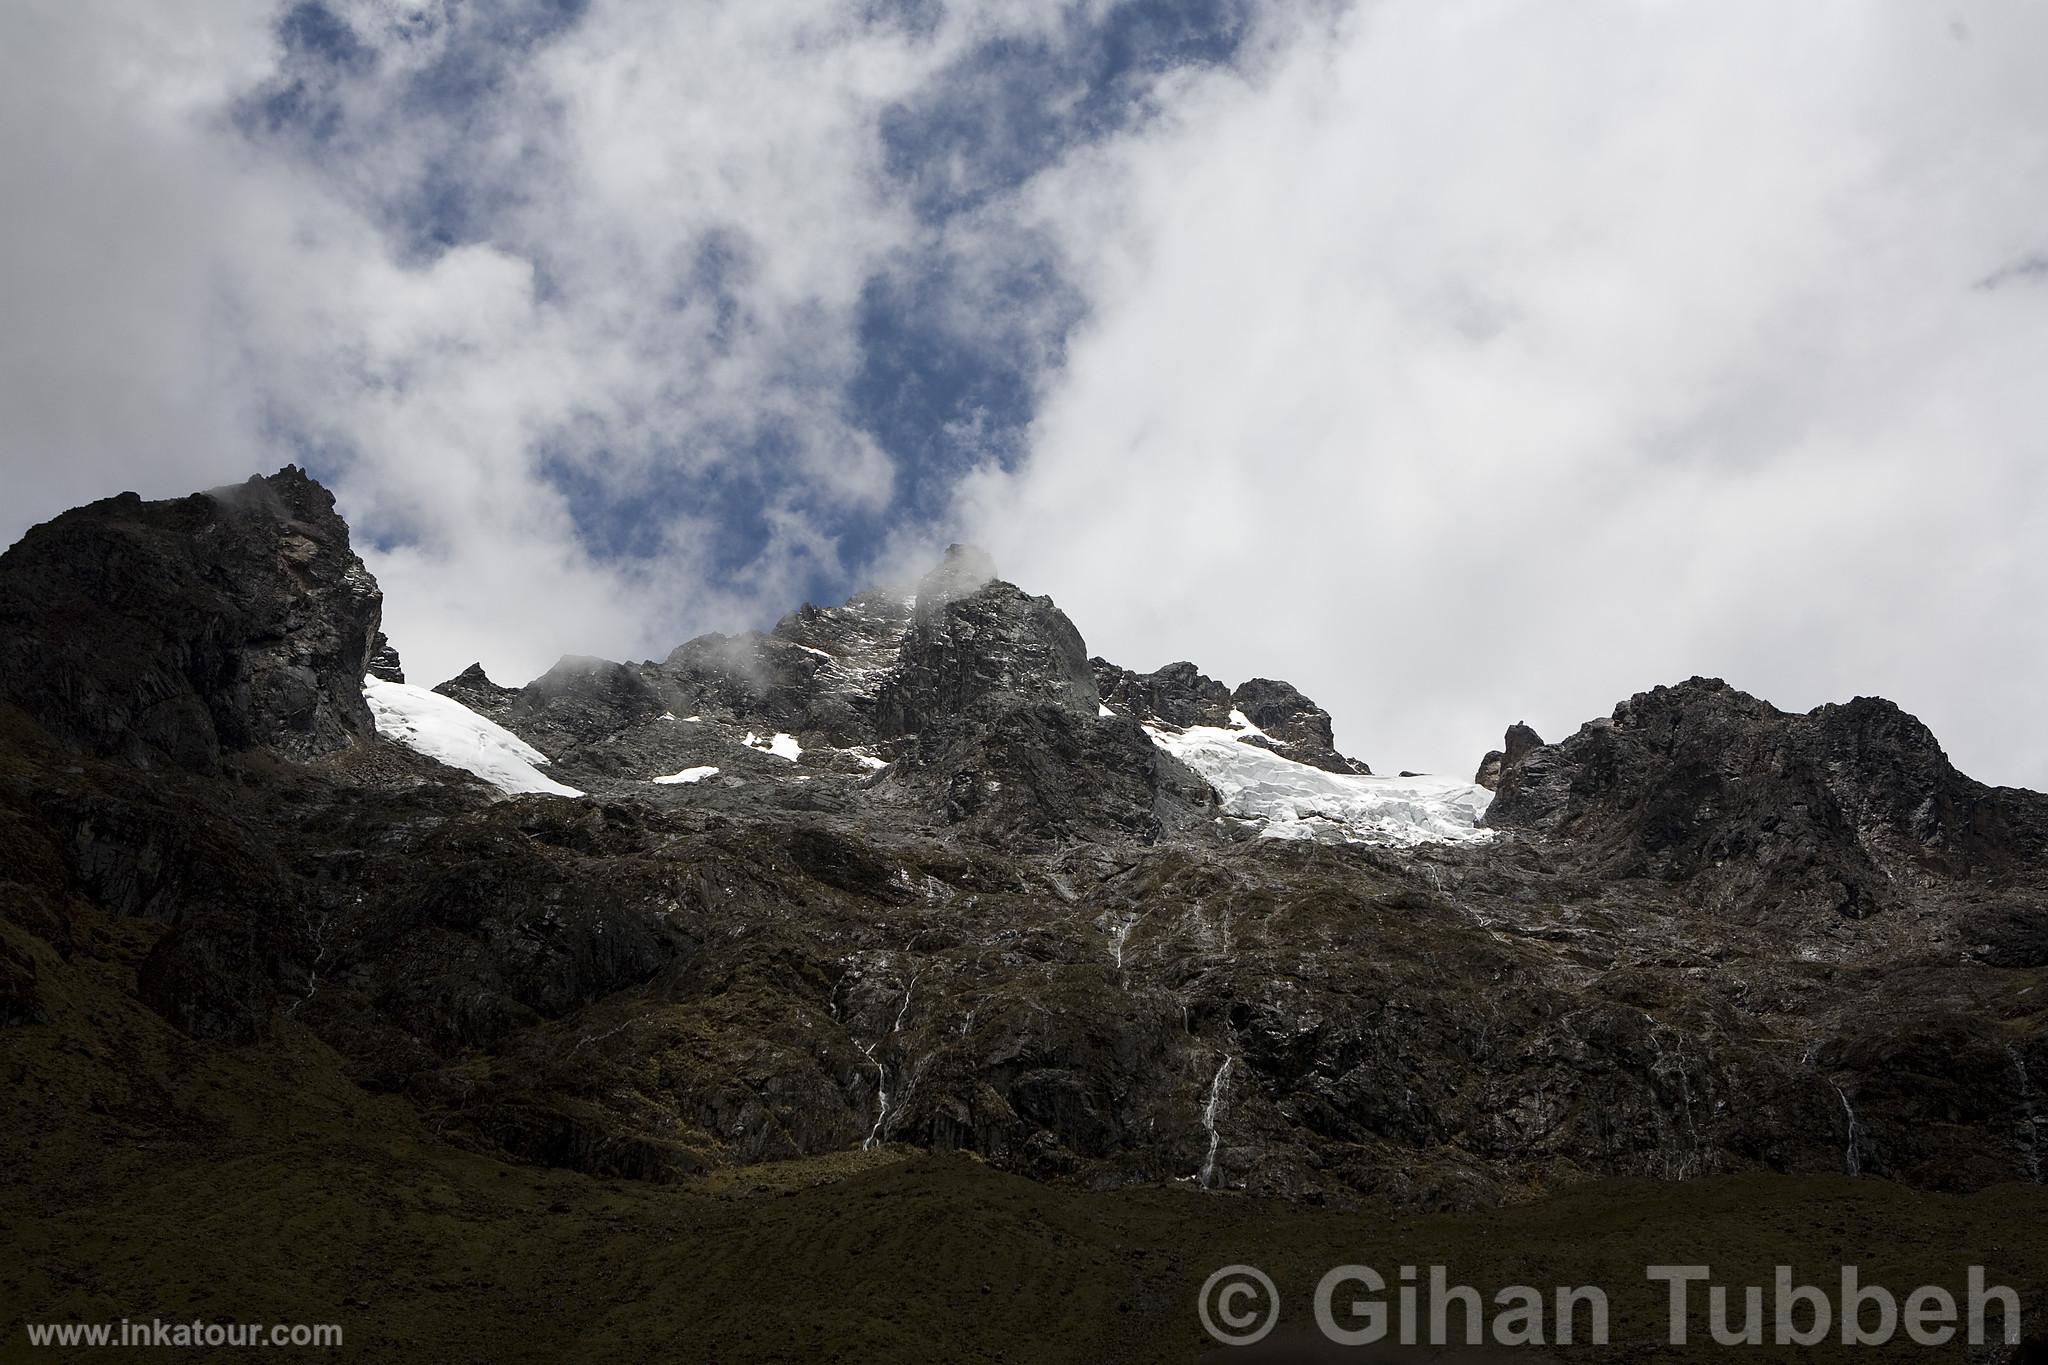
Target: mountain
[(169, 633), (918, 872)]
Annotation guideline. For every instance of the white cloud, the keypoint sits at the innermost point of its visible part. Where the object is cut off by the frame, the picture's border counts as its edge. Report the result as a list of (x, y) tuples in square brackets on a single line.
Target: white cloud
[(1462, 364), (1475, 363), (111, 353), (640, 140), (182, 293)]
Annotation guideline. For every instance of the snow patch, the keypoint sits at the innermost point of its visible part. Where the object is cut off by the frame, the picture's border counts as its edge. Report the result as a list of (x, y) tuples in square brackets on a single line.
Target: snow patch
[(782, 746), (1297, 801), (1102, 712), (688, 775), (445, 730)]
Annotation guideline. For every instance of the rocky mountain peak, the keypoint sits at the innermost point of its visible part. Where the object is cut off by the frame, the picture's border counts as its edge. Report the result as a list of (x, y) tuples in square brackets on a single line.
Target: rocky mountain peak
[(989, 649), (1519, 741), (183, 630), (584, 699), (473, 688), (929, 876), (961, 570), (1762, 811)]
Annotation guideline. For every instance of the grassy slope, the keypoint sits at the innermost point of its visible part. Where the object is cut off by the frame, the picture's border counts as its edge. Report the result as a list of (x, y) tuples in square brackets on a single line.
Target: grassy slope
[(151, 1176)]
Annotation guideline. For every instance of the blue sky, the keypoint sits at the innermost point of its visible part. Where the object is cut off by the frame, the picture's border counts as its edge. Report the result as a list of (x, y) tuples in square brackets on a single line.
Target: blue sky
[(1462, 364), (937, 387)]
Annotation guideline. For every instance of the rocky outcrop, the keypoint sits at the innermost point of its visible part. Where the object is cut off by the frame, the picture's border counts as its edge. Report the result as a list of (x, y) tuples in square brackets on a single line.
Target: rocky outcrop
[(983, 653), (996, 699), (851, 650), (384, 662), (1520, 740), (473, 688), (1180, 695), (1294, 726), (173, 633), (1041, 774), (582, 699), (817, 671), (1838, 811)]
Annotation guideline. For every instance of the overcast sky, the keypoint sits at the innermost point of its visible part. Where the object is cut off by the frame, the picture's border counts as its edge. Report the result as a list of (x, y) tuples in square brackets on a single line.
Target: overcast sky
[(1461, 363)]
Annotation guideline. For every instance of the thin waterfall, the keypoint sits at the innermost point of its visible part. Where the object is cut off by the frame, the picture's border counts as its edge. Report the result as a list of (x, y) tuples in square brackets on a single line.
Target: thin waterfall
[(1852, 1152), (874, 1137), (1119, 931), (1853, 1130), (880, 1132), (1209, 1112)]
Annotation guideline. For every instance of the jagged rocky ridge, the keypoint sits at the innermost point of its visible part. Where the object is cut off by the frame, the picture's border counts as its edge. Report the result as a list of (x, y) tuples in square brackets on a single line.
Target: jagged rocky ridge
[(949, 886), (173, 632)]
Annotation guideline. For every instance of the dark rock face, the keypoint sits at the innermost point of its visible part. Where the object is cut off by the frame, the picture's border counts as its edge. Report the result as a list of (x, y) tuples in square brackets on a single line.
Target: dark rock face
[(1300, 729), (983, 653), (1520, 740), (1839, 811), (848, 651), (996, 689), (174, 632), (473, 688), (932, 895), (1909, 806), (583, 699), (1031, 774), (818, 670), (1177, 695), (384, 661)]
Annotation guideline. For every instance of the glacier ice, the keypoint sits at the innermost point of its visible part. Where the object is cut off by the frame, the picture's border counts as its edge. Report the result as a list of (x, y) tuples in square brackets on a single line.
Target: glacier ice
[(447, 731), (1296, 801)]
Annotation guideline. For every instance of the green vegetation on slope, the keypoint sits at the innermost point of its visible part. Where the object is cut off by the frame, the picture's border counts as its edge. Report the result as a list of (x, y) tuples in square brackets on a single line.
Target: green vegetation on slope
[(150, 1176)]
